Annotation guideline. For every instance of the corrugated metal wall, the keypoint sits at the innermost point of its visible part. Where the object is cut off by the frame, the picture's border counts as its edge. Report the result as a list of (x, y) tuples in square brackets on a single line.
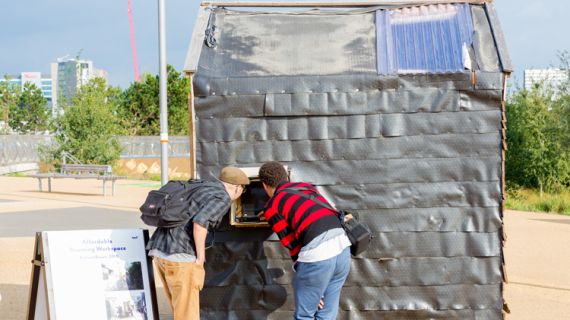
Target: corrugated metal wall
[(418, 157)]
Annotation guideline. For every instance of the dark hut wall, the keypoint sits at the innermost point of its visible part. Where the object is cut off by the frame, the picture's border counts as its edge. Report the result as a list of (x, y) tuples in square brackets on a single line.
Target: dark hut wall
[(418, 157)]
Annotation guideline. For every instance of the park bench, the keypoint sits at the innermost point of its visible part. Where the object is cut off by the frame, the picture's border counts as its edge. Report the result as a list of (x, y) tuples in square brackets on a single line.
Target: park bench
[(80, 171)]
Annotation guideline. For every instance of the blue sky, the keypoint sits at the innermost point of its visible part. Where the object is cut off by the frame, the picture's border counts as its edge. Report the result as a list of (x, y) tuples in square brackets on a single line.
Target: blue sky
[(37, 32)]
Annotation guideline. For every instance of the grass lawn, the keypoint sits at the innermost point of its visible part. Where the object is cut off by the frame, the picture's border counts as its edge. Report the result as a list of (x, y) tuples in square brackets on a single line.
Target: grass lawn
[(530, 200)]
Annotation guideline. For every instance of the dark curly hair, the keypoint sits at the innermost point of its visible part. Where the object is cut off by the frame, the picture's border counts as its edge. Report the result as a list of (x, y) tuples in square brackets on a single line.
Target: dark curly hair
[(272, 173)]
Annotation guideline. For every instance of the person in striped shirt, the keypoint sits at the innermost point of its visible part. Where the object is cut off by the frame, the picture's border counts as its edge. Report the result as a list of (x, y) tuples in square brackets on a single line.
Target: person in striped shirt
[(314, 236)]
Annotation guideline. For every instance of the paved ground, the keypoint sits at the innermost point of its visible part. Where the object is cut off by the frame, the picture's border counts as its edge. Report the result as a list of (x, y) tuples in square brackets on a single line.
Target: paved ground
[(537, 250), (537, 254), (73, 204)]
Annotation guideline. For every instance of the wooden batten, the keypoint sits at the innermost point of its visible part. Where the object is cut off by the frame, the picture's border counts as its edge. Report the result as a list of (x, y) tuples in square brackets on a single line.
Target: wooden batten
[(191, 126)]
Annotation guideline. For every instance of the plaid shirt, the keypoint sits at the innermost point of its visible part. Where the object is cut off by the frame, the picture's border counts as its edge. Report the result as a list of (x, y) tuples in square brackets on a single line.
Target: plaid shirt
[(209, 203)]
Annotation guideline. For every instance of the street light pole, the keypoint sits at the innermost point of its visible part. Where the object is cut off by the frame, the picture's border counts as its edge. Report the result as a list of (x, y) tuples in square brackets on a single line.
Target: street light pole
[(163, 94)]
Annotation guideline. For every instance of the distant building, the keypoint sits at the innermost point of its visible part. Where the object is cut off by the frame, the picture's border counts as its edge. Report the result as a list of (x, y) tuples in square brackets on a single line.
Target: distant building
[(548, 78), (44, 82), (67, 75), (71, 74)]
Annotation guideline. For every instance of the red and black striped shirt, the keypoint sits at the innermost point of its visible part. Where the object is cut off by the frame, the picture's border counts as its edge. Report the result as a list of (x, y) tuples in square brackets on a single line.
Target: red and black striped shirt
[(297, 220)]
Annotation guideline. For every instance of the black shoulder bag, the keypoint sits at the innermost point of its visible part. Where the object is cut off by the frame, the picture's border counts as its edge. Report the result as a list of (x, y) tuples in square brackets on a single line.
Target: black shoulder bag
[(358, 233)]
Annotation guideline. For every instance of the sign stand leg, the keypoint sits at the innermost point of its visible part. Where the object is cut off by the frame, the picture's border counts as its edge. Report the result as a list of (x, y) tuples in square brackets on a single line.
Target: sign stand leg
[(37, 300)]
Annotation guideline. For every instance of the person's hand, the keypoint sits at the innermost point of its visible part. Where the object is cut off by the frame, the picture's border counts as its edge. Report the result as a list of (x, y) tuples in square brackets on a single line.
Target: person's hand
[(261, 216), (200, 262), (321, 304)]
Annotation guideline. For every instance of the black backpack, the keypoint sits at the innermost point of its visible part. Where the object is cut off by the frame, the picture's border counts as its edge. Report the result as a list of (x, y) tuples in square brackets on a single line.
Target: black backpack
[(168, 206)]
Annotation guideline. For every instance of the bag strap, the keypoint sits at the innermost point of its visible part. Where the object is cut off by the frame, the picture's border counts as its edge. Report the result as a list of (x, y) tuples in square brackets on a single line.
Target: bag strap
[(311, 197)]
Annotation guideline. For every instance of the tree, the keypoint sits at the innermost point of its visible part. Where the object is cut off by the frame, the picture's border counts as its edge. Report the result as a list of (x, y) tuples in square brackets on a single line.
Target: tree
[(140, 109), (9, 96), (30, 114), (537, 136), (89, 127), (562, 104)]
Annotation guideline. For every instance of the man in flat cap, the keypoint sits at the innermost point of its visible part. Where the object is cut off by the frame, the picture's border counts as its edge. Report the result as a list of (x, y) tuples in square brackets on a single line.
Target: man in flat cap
[(179, 252)]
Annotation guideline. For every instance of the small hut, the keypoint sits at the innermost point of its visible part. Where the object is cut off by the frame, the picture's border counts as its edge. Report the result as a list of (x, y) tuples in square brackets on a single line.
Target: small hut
[(394, 110)]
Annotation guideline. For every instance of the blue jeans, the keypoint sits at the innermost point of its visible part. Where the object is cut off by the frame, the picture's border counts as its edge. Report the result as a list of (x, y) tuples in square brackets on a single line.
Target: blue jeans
[(314, 280)]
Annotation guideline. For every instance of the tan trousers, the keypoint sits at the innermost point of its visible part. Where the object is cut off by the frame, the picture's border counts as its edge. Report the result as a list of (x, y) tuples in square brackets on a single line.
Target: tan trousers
[(182, 284)]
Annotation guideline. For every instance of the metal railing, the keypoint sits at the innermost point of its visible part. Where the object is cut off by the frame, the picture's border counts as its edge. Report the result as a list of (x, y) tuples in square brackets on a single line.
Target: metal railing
[(23, 149), (149, 147), (68, 156)]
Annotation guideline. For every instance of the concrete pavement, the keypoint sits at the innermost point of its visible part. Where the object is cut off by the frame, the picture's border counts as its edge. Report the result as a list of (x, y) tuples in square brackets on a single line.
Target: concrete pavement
[(537, 250), (74, 204), (537, 254)]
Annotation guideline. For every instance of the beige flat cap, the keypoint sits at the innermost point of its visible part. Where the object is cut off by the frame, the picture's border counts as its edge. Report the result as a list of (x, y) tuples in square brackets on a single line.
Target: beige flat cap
[(234, 175)]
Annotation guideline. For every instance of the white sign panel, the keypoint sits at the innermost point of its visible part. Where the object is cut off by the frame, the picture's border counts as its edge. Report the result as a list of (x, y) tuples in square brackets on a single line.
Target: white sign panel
[(32, 77), (97, 274)]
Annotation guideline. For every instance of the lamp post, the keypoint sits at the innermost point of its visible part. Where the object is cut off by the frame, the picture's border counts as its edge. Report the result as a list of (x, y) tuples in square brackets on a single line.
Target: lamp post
[(163, 95)]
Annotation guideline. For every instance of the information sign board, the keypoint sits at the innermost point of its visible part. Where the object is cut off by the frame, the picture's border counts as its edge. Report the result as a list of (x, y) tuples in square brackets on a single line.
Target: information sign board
[(92, 274)]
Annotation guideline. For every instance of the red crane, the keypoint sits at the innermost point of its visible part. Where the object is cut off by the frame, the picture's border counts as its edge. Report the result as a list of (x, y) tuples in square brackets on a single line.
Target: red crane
[(133, 41)]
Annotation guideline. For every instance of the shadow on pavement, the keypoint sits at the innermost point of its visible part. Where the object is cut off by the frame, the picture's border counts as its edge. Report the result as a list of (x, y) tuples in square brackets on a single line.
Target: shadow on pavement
[(27, 223)]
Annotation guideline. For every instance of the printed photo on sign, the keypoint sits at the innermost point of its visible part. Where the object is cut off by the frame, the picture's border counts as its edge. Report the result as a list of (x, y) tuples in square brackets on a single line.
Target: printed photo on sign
[(121, 275), (126, 305)]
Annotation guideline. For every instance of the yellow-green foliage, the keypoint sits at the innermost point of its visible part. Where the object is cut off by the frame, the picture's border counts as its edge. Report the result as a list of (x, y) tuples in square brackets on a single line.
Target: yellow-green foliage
[(531, 200)]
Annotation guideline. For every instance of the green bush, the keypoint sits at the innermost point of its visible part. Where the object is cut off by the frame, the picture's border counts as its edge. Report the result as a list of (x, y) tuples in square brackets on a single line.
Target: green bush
[(89, 127), (538, 138), (531, 200)]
